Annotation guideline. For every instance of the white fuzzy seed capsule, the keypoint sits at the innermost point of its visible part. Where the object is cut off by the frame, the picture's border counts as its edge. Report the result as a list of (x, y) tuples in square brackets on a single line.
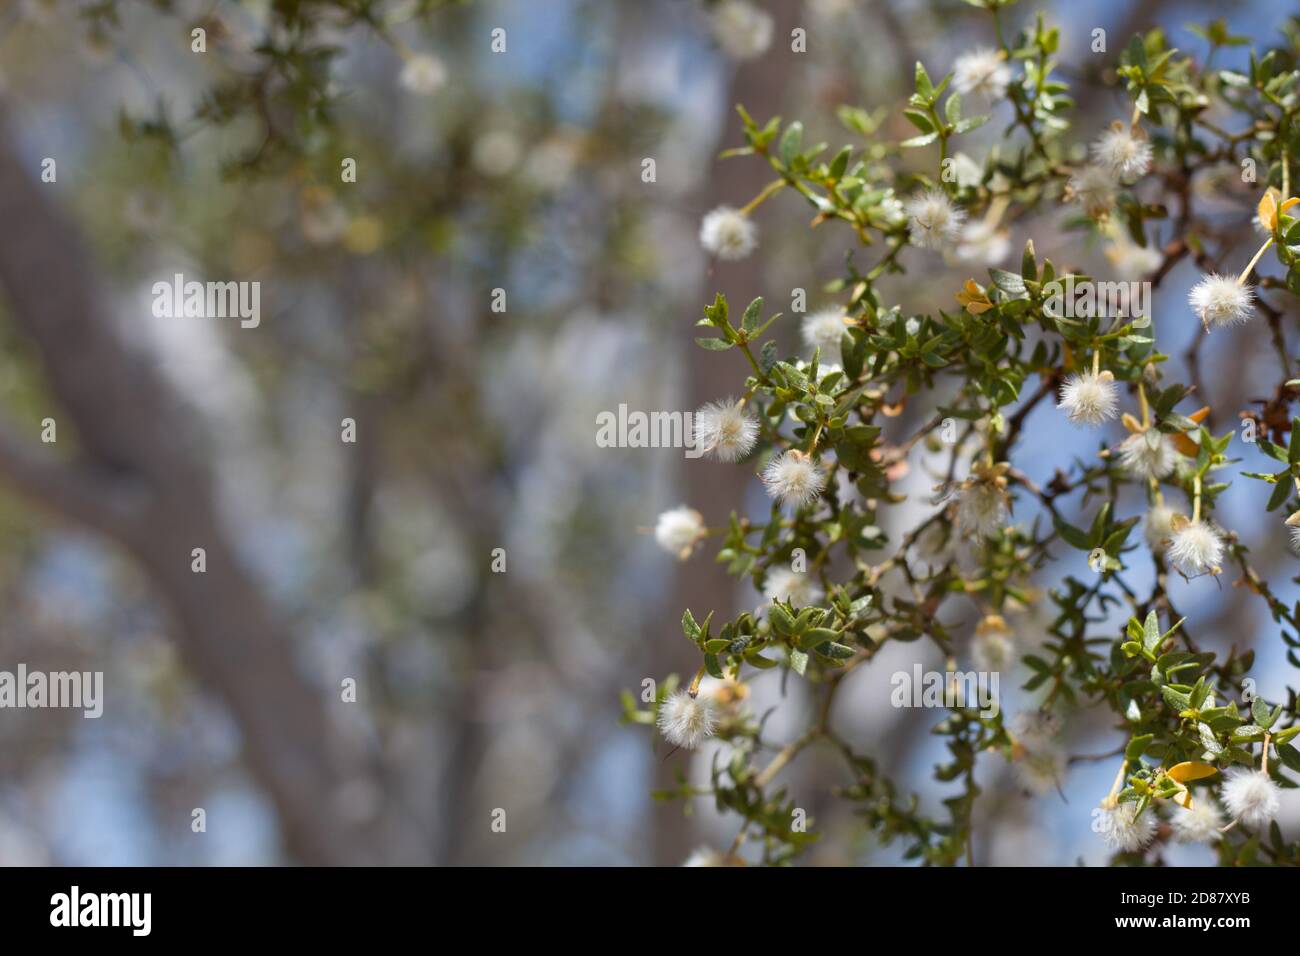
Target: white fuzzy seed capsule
[(1093, 187), (1221, 300), (685, 721), (1148, 454), (934, 220), (705, 856), (1251, 796), (728, 233), (1123, 153), (982, 509), (723, 430), (1198, 823), (824, 330), (983, 242), (743, 30), (1159, 526), (982, 71), (1196, 548), (1089, 399), (992, 649), (423, 74), (1132, 261), (1123, 829), (793, 478), (678, 530), (1293, 526), (800, 590), (1041, 771)]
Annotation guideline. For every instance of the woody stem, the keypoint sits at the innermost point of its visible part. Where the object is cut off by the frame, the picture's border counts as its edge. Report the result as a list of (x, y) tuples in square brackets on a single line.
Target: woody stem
[(1241, 279), (770, 190), (1119, 779), (694, 689)]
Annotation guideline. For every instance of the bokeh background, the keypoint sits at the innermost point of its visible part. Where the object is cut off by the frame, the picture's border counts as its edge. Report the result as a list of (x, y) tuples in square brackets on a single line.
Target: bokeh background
[(476, 428)]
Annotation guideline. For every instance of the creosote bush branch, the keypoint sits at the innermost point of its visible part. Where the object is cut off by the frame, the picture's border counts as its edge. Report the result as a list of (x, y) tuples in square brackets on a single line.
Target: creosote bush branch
[(1197, 756)]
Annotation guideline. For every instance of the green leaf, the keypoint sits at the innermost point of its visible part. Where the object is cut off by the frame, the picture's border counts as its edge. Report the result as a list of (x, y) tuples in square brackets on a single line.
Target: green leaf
[(1008, 282), (689, 626), (791, 140), (952, 108), (1151, 635), (924, 87), (714, 345), (712, 667), (1247, 732), (1281, 491), (1072, 535), (917, 141), (840, 162), (782, 622), (814, 637), (836, 651), (1175, 699), (1289, 756), (1259, 710), (920, 120), (1208, 738), (1138, 746), (970, 123), (1028, 267)]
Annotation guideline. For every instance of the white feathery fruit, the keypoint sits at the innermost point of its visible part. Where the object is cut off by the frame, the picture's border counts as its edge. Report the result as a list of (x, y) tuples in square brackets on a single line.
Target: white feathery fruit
[(1199, 823), (793, 478), (982, 509), (1221, 300), (1124, 153), (1124, 829), (1148, 454), (743, 30), (1158, 525), (799, 589), (824, 330), (685, 721), (1293, 527), (983, 72), (423, 74), (934, 220), (678, 530), (1089, 399), (1094, 188), (1196, 548), (983, 242), (724, 430), (1250, 796), (728, 233)]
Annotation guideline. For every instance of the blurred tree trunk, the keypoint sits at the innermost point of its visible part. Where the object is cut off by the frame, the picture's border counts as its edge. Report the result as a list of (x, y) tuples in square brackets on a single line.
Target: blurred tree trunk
[(142, 479), (713, 488)]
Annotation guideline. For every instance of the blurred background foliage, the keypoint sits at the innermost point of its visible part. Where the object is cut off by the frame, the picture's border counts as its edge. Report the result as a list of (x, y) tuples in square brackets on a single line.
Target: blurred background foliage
[(521, 171)]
